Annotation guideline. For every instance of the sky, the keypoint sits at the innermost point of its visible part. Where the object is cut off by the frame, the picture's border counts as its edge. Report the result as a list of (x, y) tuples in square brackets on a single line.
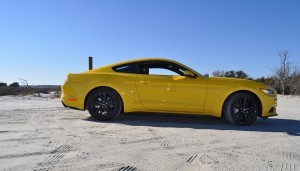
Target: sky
[(43, 41)]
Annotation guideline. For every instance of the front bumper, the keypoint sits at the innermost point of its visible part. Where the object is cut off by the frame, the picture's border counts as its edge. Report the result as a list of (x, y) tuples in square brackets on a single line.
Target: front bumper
[(269, 106), (271, 114)]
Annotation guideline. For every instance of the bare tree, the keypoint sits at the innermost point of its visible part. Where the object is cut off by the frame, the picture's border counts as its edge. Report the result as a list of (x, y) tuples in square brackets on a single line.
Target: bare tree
[(286, 76), (24, 82), (218, 73), (297, 84), (295, 80), (282, 72)]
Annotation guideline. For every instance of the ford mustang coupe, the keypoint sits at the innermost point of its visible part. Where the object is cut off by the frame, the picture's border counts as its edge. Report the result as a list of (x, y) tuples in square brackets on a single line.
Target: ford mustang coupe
[(165, 86)]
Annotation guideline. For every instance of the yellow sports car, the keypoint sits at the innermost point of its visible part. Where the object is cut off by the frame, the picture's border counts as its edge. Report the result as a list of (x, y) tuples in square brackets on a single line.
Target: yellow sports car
[(166, 86)]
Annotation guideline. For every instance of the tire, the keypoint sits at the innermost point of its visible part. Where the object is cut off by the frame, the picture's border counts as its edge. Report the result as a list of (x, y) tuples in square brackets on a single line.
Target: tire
[(104, 104), (241, 109)]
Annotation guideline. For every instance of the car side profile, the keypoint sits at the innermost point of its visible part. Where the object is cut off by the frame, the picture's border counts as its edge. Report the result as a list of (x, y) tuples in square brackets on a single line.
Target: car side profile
[(165, 86)]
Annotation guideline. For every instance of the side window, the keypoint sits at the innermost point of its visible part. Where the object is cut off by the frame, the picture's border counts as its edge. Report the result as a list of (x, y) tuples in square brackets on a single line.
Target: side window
[(160, 68), (161, 71), (126, 68)]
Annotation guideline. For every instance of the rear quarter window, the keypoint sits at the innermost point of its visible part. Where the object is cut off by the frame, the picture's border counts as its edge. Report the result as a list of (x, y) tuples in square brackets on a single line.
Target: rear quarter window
[(127, 68)]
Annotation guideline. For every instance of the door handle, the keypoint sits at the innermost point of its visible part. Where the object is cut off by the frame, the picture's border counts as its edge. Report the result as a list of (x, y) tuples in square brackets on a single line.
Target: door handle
[(144, 82)]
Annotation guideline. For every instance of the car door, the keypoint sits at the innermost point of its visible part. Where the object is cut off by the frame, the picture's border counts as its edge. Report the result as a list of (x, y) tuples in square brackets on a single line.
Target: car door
[(152, 90), (186, 94), (170, 92)]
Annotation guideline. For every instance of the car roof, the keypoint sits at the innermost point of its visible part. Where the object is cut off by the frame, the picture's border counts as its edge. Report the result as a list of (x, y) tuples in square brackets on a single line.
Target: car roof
[(146, 59), (108, 67)]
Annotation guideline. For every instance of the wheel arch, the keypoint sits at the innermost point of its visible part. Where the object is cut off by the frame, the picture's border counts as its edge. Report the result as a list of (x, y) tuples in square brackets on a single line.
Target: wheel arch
[(89, 93), (242, 91)]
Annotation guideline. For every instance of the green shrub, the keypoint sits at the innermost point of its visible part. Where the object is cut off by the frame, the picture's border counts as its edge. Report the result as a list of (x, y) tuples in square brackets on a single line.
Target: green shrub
[(3, 84), (15, 84)]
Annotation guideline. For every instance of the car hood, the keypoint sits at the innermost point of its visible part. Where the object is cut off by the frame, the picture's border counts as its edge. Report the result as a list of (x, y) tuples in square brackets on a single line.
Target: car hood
[(238, 81), (228, 79)]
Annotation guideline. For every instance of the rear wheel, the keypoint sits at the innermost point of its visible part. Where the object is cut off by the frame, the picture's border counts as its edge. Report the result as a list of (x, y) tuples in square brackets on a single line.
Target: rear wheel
[(241, 109), (104, 104)]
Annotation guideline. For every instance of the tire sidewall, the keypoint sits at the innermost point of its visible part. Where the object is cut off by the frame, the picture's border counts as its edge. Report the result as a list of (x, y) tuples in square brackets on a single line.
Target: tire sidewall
[(111, 92), (229, 115)]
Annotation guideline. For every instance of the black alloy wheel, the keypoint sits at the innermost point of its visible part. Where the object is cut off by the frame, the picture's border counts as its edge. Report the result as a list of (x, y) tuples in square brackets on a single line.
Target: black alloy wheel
[(104, 104), (241, 109)]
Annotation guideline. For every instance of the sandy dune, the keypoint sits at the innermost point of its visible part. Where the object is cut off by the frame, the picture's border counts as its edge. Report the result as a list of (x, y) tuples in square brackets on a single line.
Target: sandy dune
[(39, 134)]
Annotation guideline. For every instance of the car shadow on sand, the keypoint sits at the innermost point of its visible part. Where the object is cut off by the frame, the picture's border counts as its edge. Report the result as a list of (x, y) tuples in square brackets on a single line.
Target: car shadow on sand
[(289, 126)]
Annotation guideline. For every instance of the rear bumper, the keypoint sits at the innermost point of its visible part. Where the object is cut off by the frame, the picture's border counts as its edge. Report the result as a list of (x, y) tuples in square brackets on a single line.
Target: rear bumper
[(69, 106), (71, 99)]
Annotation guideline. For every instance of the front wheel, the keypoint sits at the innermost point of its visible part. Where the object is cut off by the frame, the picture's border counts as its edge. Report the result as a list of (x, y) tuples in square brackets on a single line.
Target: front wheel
[(241, 109), (104, 104)]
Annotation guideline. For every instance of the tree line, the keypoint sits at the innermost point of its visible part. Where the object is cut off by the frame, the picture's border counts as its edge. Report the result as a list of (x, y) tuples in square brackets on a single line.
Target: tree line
[(285, 78), (15, 84)]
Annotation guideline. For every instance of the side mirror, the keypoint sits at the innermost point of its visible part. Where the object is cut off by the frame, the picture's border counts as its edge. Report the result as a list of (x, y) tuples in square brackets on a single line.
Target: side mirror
[(189, 74)]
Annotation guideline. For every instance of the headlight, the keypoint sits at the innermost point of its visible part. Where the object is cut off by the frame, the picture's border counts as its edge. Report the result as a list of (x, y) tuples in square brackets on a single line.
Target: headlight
[(268, 91)]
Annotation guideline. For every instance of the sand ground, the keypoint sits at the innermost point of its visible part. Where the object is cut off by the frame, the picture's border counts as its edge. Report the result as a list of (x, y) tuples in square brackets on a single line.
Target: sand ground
[(39, 134)]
